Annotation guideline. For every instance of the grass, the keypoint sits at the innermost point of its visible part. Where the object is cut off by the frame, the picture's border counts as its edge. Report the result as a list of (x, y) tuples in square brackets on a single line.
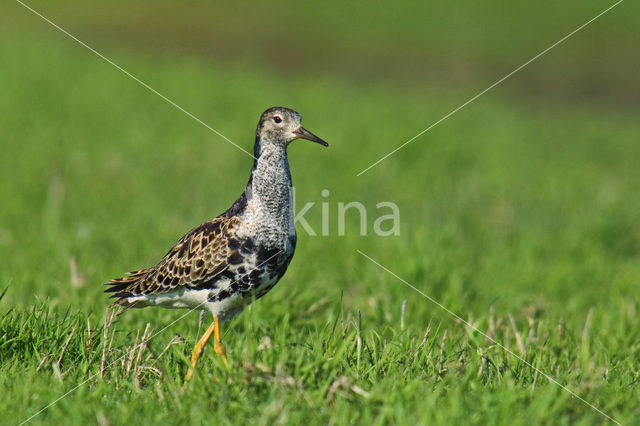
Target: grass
[(519, 215)]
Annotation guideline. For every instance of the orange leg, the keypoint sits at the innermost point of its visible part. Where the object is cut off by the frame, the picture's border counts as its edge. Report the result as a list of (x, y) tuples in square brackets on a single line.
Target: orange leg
[(218, 346)]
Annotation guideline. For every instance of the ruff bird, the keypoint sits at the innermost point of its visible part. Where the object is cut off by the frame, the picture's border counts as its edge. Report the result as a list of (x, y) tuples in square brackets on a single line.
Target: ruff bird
[(224, 264)]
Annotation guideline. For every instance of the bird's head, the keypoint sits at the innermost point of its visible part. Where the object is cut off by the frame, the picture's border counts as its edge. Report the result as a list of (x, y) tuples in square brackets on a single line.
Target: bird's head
[(281, 125)]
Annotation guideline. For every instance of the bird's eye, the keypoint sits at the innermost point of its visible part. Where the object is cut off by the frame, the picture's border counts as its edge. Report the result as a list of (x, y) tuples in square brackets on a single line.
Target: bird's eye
[(277, 120)]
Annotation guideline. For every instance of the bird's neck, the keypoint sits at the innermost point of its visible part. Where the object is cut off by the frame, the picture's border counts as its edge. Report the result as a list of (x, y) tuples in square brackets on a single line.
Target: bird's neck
[(269, 191)]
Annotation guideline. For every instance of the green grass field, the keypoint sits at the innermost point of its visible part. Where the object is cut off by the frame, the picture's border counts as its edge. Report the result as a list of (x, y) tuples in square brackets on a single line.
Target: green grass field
[(520, 213)]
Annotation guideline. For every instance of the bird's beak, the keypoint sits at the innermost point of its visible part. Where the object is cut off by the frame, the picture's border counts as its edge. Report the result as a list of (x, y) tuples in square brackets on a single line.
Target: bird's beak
[(303, 133)]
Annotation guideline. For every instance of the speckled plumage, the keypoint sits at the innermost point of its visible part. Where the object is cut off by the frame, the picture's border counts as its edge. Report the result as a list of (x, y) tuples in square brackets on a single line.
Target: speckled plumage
[(225, 263)]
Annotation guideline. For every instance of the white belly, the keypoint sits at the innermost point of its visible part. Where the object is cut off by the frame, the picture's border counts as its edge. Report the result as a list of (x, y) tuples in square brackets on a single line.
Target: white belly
[(186, 298)]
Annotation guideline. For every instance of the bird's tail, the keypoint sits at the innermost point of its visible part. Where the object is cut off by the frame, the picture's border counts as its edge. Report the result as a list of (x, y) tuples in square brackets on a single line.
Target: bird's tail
[(124, 287)]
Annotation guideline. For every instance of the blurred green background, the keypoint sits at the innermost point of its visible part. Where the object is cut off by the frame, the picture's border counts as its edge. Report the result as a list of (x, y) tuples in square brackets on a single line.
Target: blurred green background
[(525, 202)]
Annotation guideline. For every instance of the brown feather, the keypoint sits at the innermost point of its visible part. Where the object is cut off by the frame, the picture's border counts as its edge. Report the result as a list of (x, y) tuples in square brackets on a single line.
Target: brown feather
[(196, 259)]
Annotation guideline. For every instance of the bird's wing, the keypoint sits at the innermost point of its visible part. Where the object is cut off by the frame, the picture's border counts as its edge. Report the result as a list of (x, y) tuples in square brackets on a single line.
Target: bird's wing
[(196, 259)]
